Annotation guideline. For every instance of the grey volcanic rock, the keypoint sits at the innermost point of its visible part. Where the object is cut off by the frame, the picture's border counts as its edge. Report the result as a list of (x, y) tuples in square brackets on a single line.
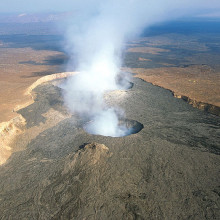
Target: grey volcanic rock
[(169, 170), (77, 182)]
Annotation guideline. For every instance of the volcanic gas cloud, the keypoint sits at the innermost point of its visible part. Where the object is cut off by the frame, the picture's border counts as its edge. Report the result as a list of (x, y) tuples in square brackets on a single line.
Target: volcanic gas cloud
[(95, 41)]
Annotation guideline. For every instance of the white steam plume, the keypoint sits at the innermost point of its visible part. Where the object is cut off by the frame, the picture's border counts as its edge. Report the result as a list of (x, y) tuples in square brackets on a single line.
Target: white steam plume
[(96, 42)]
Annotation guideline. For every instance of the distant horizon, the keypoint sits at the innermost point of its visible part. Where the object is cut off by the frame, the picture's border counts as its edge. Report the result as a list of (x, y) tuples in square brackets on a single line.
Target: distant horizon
[(200, 7), (213, 14)]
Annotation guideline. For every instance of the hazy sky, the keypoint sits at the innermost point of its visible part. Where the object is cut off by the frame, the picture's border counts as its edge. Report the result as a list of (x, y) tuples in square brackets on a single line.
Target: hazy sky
[(36, 5), (69, 5)]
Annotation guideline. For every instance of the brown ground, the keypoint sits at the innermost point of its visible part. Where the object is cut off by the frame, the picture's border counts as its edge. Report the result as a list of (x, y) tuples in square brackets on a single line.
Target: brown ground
[(152, 50), (16, 76)]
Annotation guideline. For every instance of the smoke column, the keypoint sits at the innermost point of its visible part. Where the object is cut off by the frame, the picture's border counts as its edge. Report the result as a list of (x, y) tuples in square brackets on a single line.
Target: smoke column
[(95, 42)]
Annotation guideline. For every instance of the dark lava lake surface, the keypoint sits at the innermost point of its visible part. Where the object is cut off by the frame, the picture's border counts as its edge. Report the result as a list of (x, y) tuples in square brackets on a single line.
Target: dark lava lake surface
[(169, 170)]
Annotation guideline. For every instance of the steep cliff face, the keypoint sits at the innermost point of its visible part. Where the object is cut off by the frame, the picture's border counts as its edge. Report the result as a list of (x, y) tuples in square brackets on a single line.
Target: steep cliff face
[(8, 132), (48, 78), (213, 109), (197, 84)]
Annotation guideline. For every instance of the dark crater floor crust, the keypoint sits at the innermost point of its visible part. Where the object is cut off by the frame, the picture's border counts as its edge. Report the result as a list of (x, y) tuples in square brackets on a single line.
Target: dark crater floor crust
[(168, 170)]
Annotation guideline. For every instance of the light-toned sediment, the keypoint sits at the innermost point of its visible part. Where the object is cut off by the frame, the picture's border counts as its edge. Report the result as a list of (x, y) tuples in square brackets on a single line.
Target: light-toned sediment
[(16, 126), (49, 78), (151, 50), (8, 132)]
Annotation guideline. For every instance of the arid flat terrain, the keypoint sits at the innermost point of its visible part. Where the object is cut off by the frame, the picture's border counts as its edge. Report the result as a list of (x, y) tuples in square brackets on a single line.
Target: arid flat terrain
[(19, 68), (27, 52)]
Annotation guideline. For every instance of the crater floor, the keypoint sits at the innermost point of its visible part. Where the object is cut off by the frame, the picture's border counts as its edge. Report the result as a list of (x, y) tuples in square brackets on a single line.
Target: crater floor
[(168, 170)]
